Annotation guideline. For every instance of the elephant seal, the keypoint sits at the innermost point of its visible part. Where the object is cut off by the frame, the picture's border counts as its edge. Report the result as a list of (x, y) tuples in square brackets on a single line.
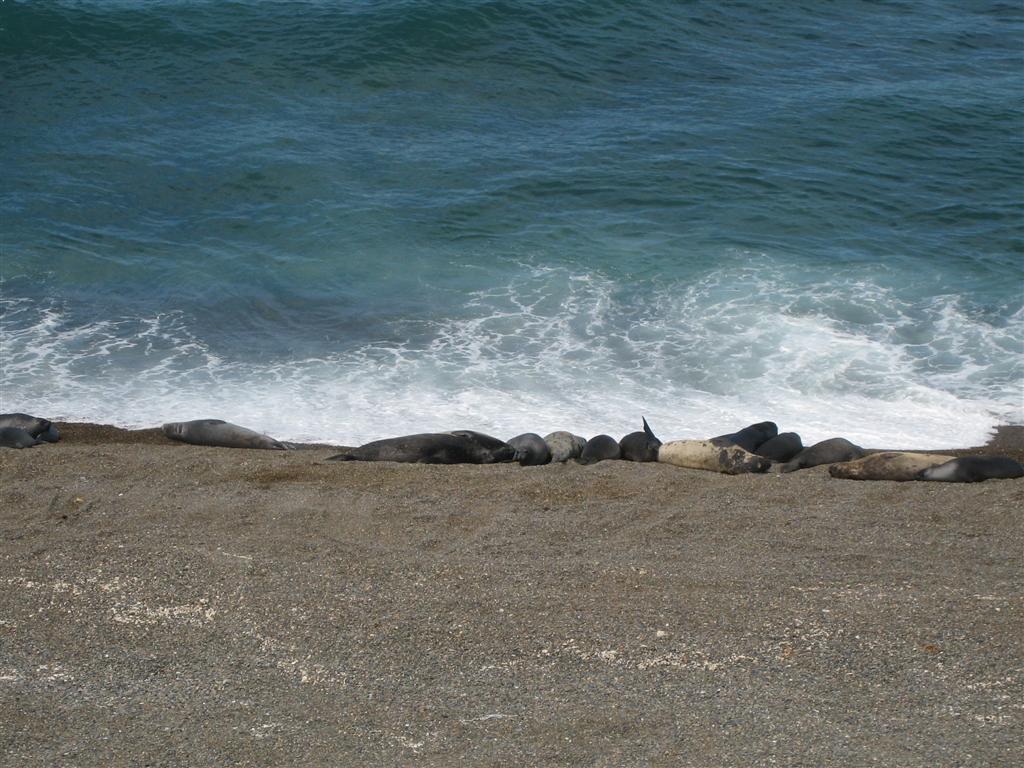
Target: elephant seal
[(459, 447), (34, 425), (782, 447), (749, 438), (974, 469), (16, 437), (531, 449), (221, 434), (564, 446), (600, 448), (706, 454), (640, 446), (887, 465), (829, 451)]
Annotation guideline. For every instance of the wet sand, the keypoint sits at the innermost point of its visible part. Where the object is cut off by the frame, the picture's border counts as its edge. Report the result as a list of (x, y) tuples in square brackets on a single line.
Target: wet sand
[(166, 604)]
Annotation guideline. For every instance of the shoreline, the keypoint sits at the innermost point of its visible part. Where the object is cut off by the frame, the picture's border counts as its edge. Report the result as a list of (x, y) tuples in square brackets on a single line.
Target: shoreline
[(165, 603)]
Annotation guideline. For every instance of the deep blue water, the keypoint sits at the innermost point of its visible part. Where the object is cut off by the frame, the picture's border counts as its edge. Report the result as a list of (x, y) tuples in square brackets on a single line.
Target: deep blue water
[(342, 221)]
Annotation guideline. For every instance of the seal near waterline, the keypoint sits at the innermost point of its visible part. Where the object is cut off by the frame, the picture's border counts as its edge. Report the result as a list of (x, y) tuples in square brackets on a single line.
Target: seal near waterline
[(600, 448), (531, 449), (749, 438), (564, 446), (831, 451), (640, 446), (35, 425), (711, 456), (887, 465), (782, 447), (974, 469), (220, 434), (459, 447), (16, 437)]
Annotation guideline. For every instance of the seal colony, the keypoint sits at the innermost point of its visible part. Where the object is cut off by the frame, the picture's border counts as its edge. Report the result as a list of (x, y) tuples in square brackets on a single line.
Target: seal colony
[(756, 448)]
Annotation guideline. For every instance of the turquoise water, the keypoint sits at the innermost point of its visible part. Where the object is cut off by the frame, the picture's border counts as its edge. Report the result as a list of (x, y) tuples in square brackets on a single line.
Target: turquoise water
[(342, 221)]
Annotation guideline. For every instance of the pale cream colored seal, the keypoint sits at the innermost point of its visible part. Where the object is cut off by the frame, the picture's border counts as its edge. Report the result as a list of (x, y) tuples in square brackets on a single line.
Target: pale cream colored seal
[(705, 454)]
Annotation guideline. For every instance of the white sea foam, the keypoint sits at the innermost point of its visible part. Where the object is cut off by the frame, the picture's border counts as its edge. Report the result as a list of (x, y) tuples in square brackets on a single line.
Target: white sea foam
[(558, 349)]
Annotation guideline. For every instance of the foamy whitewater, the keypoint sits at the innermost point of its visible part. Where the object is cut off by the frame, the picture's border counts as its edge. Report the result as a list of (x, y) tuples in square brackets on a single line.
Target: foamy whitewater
[(344, 223)]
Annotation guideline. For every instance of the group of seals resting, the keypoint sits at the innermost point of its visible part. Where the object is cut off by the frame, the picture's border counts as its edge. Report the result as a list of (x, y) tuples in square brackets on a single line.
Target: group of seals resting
[(755, 448), (19, 430)]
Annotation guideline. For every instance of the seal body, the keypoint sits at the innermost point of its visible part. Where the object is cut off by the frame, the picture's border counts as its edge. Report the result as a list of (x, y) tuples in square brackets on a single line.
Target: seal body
[(973, 469), (16, 437), (530, 449), (749, 438), (221, 434), (600, 448), (782, 447), (887, 465), (829, 451), (460, 447), (564, 445), (714, 457), (35, 425), (640, 446)]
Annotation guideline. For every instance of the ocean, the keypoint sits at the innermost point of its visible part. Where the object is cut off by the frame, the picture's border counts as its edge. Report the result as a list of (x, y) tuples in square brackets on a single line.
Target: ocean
[(341, 221)]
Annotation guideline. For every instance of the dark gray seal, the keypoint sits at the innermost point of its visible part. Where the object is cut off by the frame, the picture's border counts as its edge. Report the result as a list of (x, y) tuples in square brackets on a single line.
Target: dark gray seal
[(16, 437), (34, 425), (600, 448), (749, 438), (782, 447), (531, 449), (564, 445), (974, 469), (640, 446), (220, 434), (459, 447), (829, 451)]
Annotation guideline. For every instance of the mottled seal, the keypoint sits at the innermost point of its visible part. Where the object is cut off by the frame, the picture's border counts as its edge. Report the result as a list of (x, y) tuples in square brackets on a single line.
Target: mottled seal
[(782, 447), (34, 425), (16, 437), (829, 451), (531, 449), (706, 454), (749, 438), (600, 448), (640, 446), (887, 465), (974, 469), (221, 434), (565, 445), (459, 447)]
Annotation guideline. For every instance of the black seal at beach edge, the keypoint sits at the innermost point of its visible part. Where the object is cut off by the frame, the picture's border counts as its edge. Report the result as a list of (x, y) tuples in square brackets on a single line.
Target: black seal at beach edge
[(600, 448), (749, 438), (36, 426), (220, 434), (974, 469), (640, 446), (16, 437), (831, 451), (531, 449), (459, 447)]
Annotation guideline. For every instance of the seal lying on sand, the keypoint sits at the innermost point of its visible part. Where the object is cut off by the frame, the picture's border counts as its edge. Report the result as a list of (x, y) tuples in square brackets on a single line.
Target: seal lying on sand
[(829, 451), (600, 448), (973, 469), (16, 437), (709, 455), (460, 447), (888, 465), (531, 449), (35, 425), (640, 446), (564, 446), (782, 447), (749, 438), (219, 433)]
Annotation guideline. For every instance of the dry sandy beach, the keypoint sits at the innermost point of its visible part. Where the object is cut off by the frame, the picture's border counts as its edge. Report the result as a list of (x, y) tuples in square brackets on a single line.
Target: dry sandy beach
[(166, 604)]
